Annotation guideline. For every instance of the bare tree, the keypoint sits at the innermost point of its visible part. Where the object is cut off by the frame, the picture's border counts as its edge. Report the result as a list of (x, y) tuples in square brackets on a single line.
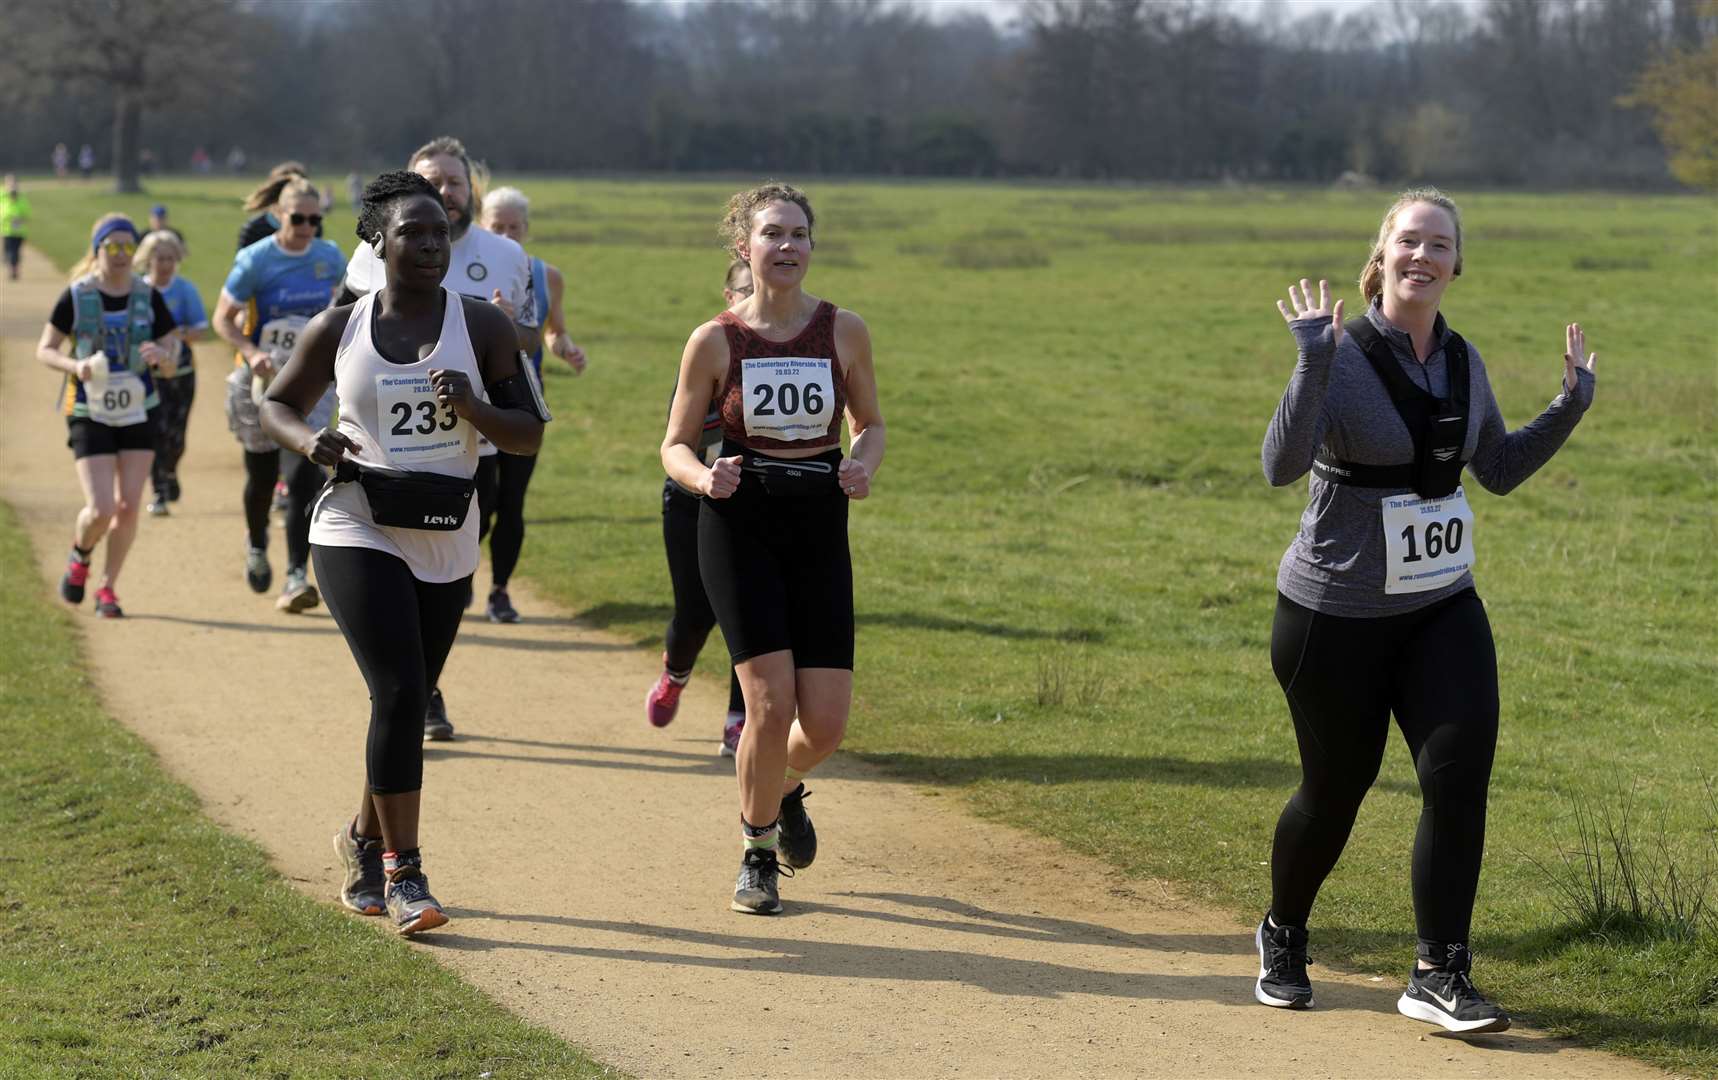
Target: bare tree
[(144, 54)]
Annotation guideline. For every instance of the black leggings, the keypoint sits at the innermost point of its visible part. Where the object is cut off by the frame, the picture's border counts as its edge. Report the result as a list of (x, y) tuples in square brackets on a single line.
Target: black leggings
[(399, 630), (501, 482), (690, 625), (304, 479), (176, 397), (1436, 669)]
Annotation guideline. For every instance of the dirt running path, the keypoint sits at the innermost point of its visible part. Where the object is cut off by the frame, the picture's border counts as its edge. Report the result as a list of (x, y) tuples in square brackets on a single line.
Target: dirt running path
[(587, 858)]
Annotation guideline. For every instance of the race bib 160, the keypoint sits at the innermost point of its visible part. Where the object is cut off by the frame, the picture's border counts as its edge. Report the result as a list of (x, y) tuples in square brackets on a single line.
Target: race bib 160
[(1428, 543)]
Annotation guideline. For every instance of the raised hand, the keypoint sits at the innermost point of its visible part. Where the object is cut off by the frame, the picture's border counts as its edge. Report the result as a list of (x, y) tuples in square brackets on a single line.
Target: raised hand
[(501, 302), (723, 477), (1303, 307), (1575, 345)]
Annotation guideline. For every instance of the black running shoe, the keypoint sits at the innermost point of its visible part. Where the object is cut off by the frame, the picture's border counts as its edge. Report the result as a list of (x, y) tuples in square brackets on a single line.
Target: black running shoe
[(1282, 979), (437, 727), (1446, 996), (798, 843), (756, 891)]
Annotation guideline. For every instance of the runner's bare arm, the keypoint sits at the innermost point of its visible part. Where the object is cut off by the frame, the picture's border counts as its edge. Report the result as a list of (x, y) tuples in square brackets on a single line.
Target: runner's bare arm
[(555, 337), (514, 430), (702, 368), (227, 326), (300, 386), (864, 415), (48, 351)]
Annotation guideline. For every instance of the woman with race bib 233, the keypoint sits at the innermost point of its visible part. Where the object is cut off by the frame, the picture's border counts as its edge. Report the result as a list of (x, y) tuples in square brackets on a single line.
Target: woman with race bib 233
[(419, 371), (1376, 609)]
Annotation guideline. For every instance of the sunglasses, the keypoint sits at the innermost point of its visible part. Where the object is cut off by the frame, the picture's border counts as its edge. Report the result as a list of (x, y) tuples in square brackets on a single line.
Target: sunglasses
[(305, 219), (120, 247)]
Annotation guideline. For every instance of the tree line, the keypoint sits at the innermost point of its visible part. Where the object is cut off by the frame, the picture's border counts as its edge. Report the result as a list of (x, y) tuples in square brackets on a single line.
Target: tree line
[(1510, 92)]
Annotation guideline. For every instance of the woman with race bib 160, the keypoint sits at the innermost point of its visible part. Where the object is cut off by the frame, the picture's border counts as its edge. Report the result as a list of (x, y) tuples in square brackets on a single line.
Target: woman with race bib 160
[(121, 332), (782, 367), (420, 371), (275, 286), (1376, 609)]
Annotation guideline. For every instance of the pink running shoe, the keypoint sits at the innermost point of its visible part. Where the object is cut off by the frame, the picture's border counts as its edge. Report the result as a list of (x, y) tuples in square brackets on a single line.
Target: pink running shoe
[(663, 701), (107, 604), (731, 732), (72, 585)]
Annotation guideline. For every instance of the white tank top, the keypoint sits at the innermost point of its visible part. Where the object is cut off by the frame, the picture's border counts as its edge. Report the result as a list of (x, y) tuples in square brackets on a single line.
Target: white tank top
[(389, 411)]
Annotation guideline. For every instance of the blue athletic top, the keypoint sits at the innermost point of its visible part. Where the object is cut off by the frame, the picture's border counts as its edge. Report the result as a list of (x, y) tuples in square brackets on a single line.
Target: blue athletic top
[(283, 290), (540, 294), (187, 308)]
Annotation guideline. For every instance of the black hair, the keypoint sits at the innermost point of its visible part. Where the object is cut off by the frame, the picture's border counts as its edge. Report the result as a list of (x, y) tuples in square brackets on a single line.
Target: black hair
[(383, 192)]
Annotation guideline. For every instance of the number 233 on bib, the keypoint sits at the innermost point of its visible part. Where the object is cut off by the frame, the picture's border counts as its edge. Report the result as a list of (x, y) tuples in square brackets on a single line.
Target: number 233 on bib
[(788, 398), (412, 425), (1428, 542)]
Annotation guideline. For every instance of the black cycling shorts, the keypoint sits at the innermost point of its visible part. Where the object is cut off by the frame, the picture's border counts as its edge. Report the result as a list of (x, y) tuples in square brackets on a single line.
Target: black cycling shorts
[(778, 573), (88, 438)]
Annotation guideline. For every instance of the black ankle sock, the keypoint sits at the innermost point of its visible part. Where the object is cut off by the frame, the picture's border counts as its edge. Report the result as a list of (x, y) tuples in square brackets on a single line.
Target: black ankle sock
[(83, 553)]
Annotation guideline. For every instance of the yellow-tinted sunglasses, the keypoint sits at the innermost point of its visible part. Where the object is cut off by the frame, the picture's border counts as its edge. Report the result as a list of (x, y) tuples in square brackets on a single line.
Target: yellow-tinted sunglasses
[(120, 247)]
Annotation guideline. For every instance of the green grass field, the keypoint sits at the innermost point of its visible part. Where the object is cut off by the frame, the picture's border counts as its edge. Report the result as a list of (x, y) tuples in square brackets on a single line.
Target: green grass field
[(1065, 576)]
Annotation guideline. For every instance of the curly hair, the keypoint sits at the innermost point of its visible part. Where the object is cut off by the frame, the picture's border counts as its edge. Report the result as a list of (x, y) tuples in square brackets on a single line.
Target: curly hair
[(1372, 274), (736, 224), (383, 192)]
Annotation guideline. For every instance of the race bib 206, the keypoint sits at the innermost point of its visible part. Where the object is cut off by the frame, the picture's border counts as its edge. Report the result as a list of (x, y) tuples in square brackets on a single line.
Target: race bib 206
[(788, 398), (1428, 543)]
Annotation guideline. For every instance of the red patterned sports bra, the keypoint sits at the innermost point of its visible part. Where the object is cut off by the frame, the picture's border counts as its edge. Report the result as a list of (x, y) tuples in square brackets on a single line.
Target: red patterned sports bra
[(783, 395)]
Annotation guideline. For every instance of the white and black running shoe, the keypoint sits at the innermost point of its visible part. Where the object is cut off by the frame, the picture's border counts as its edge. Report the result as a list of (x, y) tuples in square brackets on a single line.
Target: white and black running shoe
[(437, 727), (1446, 996), (757, 890), (1282, 982)]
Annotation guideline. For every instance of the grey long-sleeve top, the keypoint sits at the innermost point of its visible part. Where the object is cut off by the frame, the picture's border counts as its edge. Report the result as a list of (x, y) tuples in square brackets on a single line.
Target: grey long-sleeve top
[(1335, 400)]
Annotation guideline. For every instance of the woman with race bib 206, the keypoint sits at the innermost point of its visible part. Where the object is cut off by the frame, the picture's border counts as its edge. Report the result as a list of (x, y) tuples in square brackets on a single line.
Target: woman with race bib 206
[(121, 331), (1376, 609), (419, 372), (275, 286), (782, 367)]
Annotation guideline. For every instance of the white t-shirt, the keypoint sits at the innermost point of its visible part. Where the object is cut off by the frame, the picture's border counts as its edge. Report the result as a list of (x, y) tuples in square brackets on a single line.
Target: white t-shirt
[(481, 263)]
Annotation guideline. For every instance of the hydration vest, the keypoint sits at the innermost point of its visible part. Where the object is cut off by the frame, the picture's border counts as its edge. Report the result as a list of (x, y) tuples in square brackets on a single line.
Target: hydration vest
[(1438, 426), (88, 327)]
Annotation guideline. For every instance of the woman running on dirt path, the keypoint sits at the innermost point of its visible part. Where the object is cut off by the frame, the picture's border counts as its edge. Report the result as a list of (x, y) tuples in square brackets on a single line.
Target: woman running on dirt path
[(159, 256), (1376, 609), (692, 621), (273, 289), (394, 541), (121, 331), (782, 368), (502, 479)]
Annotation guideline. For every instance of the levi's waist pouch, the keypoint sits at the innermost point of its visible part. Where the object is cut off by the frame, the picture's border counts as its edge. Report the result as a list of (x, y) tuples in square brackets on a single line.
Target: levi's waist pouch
[(411, 500)]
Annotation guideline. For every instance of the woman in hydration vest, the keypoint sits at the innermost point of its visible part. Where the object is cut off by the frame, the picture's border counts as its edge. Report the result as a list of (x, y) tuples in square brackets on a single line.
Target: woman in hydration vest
[(121, 331), (273, 289), (394, 538), (502, 478), (690, 624), (782, 368), (159, 256), (1376, 609)]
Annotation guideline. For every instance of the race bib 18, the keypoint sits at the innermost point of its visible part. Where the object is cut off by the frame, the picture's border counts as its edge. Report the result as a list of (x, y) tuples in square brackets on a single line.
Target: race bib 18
[(412, 425), (118, 400), (1428, 543), (280, 336), (788, 398)]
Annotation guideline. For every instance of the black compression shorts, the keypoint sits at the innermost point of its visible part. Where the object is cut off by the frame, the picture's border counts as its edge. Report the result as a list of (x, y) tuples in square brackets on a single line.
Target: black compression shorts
[(87, 438), (778, 573)]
